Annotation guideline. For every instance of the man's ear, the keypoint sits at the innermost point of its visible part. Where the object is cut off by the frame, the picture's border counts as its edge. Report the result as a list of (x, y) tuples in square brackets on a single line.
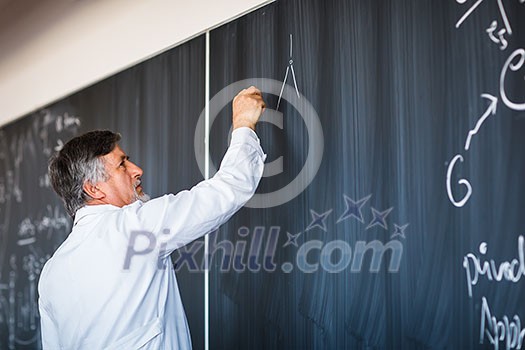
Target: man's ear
[(93, 190)]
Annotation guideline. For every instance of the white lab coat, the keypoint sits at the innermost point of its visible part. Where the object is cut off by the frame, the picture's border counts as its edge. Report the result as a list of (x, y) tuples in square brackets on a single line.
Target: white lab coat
[(89, 300)]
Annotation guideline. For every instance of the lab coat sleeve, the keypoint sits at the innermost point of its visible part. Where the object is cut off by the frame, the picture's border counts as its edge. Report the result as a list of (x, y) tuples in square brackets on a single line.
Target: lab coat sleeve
[(181, 218), (48, 330)]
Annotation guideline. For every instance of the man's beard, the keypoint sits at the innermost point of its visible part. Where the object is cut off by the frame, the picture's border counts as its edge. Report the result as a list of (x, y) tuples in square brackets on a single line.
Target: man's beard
[(139, 197)]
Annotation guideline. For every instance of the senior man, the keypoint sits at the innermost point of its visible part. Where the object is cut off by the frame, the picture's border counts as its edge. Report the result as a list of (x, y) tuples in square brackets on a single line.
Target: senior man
[(88, 297)]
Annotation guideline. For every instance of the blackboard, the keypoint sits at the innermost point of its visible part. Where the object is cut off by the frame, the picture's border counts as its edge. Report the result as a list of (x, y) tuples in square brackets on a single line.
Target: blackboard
[(397, 87), (389, 105)]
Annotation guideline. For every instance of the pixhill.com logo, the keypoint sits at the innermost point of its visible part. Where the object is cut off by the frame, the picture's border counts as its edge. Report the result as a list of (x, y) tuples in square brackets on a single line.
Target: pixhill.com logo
[(256, 250)]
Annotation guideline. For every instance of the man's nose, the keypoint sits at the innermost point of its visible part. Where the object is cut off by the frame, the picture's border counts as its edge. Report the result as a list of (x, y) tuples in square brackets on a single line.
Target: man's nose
[(136, 170)]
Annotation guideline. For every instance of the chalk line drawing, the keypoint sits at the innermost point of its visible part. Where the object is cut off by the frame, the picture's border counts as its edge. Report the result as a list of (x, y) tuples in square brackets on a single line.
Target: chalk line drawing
[(476, 4), (495, 35), (491, 110), (469, 11), (504, 16), (289, 68)]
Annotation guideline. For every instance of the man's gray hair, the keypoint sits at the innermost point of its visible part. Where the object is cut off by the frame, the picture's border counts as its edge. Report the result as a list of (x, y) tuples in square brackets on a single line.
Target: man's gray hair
[(78, 162)]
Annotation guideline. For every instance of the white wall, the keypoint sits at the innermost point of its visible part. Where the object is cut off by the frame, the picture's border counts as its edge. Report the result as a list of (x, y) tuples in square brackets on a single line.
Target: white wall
[(51, 48)]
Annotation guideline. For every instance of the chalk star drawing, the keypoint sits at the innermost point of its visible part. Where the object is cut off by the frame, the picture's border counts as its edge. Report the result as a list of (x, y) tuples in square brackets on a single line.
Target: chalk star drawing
[(379, 218), (318, 220), (353, 208), (399, 231), (289, 68), (292, 239)]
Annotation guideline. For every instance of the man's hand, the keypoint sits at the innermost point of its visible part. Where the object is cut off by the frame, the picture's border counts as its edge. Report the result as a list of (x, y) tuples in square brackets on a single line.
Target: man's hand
[(248, 106)]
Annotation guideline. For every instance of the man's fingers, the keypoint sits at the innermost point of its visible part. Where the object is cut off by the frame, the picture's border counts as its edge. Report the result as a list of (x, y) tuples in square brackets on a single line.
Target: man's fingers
[(252, 90), (248, 106)]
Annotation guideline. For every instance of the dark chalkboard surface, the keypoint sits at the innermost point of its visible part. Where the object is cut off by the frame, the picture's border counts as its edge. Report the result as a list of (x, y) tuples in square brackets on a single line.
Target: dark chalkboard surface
[(390, 214), (372, 253)]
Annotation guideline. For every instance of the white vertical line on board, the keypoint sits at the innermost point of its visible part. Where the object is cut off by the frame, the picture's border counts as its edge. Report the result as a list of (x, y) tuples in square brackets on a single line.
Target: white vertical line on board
[(207, 176)]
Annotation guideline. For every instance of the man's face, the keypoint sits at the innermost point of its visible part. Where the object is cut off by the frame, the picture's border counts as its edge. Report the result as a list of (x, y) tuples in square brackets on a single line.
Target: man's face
[(123, 185)]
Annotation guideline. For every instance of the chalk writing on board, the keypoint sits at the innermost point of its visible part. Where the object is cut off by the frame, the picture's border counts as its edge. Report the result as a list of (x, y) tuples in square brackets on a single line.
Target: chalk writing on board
[(495, 34), (56, 123), (505, 330), (468, 13), (513, 66), (511, 271), (464, 182), (44, 181), (476, 265), (497, 37), (20, 308), (514, 63), (54, 219), (491, 110), (27, 237), (2, 191)]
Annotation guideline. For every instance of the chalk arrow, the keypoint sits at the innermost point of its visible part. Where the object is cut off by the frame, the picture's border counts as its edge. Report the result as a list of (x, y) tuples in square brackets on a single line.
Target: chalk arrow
[(491, 110)]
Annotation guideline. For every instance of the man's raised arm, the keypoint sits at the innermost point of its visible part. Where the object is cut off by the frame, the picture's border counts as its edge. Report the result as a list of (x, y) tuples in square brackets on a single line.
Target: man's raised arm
[(188, 215)]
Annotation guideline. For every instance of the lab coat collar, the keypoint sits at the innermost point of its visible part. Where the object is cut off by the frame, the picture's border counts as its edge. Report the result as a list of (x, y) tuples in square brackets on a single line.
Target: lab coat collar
[(92, 209)]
